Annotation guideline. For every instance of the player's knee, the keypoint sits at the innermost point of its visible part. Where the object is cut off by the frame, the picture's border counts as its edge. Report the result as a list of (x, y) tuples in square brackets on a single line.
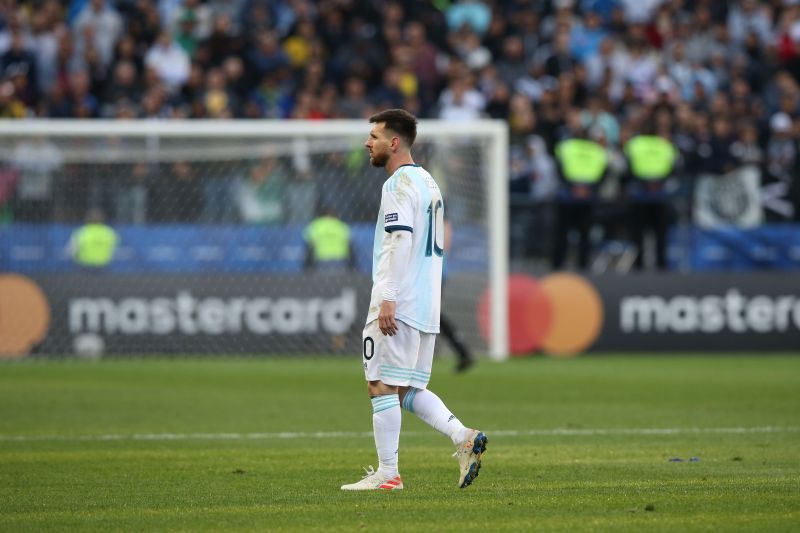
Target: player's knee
[(401, 392), (379, 388)]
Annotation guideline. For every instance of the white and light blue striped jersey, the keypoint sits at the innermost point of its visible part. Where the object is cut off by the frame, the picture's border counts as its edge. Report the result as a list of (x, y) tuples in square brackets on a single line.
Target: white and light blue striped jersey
[(411, 201)]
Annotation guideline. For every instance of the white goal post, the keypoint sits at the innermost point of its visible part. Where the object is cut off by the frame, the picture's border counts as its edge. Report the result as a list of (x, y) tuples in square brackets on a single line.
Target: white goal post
[(492, 192)]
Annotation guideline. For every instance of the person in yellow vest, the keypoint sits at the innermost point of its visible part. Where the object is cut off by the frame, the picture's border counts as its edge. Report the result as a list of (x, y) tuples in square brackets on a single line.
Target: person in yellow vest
[(328, 244), (93, 244), (582, 165), (651, 159)]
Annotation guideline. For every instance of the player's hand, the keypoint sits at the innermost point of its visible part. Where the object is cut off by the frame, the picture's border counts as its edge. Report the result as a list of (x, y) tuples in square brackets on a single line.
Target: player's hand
[(386, 321)]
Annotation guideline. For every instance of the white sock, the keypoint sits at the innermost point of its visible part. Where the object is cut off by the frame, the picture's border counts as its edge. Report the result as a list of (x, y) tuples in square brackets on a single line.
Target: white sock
[(386, 419), (432, 410)]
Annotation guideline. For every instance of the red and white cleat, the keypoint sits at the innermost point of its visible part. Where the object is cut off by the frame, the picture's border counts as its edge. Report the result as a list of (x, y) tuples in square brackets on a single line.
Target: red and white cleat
[(375, 481)]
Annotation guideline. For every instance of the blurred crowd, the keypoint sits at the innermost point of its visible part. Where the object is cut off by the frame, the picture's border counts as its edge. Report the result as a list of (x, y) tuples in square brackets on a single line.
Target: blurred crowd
[(718, 79)]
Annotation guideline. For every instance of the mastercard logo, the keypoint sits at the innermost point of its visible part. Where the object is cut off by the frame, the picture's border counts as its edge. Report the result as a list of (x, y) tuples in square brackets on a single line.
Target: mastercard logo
[(24, 315), (561, 314)]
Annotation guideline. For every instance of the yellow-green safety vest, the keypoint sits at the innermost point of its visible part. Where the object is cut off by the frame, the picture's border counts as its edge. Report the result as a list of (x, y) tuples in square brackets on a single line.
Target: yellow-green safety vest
[(95, 245), (582, 161), (329, 237), (652, 158)]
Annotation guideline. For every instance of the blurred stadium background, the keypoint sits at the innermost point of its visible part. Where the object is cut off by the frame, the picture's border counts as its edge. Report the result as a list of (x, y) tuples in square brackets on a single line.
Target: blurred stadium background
[(621, 179), (651, 151)]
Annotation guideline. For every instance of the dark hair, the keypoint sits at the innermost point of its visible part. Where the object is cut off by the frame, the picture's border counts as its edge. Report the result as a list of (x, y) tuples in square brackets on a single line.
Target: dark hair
[(399, 121)]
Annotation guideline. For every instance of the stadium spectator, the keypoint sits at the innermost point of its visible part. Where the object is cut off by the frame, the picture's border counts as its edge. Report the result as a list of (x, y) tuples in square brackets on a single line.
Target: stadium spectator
[(10, 105), (353, 103), (582, 165), (467, 46), (177, 196), (595, 118), (781, 168), (717, 66), (748, 148), (473, 14), (652, 160), (195, 86), (585, 38), (223, 42), (272, 98), (218, 101), (198, 13), (715, 152), (512, 64), (560, 59), (233, 10), (461, 101), (237, 80), (389, 93), (19, 65), (127, 49), (302, 196), (124, 85), (92, 245), (44, 45), (130, 199), (267, 56), (328, 244), (98, 25), (498, 100), (185, 34), (424, 55), (8, 182), (260, 197), (157, 103), (37, 162), (169, 61)]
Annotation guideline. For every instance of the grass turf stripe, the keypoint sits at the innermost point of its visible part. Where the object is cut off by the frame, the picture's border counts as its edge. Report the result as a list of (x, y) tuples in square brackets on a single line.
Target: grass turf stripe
[(589, 432)]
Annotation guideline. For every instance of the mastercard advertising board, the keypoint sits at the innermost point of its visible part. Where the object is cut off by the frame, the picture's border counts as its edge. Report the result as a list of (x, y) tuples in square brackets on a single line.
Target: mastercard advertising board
[(560, 314), (566, 314), (24, 315)]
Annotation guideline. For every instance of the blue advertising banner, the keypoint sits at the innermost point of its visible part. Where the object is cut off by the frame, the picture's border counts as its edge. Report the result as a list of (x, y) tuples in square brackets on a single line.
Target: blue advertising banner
[(768, 247), (34, 248)]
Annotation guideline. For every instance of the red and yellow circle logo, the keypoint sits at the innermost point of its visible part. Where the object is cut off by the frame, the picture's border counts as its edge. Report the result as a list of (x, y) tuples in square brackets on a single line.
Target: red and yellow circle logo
[(24, 315), (562, 314)]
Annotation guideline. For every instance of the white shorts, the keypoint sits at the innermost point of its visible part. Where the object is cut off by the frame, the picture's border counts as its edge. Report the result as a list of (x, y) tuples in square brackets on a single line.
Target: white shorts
[(402, 360)]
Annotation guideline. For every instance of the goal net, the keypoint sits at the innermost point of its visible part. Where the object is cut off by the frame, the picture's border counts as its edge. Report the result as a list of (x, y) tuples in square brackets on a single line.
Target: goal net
[(210, 219)]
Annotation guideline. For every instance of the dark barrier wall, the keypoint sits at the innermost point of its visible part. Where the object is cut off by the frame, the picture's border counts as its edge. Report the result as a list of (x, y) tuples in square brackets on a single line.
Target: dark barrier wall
[(274, 314)]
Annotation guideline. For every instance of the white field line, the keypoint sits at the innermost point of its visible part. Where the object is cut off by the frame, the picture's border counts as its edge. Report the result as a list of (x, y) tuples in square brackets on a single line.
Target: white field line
[(569, 432)]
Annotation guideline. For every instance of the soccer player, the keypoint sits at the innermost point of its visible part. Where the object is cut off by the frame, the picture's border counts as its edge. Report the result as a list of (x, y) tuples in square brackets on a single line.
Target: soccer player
[(403, 316)]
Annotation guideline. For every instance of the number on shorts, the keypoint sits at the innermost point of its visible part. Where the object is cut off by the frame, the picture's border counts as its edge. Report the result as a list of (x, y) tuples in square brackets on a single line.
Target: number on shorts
[(368, 354)]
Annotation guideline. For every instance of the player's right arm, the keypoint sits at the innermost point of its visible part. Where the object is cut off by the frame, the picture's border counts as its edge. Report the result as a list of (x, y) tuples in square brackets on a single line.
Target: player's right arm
[(398, 212), (398, 256)]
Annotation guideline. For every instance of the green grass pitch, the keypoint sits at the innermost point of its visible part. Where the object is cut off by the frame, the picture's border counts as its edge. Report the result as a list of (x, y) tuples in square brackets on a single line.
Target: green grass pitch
[(264, 444)]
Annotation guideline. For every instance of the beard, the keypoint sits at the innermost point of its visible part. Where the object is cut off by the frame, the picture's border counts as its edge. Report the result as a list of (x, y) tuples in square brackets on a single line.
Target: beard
[(379, 160)]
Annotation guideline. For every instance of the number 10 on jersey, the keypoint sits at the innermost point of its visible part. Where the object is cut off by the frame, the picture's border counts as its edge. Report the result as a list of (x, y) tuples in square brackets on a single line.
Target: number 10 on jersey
[(435, 240)]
